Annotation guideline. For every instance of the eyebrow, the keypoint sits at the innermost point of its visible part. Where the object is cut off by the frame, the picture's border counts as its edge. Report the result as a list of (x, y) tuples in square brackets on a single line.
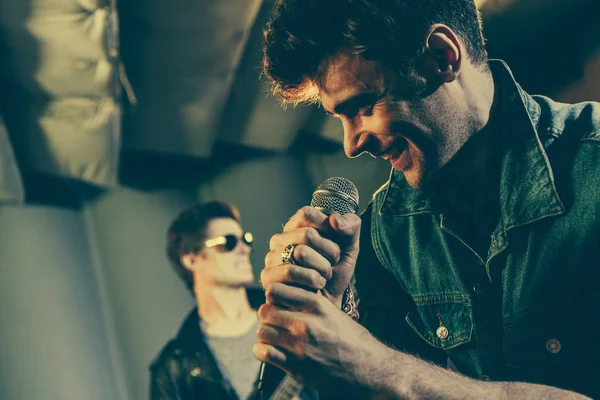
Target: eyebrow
[(353, 102)]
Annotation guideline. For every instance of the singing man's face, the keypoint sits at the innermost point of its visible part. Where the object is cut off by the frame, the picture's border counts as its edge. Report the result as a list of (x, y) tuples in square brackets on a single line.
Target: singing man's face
[(380, 115)]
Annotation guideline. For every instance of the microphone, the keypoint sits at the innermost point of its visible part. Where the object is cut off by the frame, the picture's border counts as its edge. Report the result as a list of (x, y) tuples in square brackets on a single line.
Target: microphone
[(333, 195), (336, 195)]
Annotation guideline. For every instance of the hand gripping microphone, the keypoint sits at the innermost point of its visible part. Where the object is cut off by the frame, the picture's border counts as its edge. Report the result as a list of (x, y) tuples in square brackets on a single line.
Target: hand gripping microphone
[(333, 195)]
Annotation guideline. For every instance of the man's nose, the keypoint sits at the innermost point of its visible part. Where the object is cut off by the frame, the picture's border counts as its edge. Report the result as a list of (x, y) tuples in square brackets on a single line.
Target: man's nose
[(244, 248), (356, 141)]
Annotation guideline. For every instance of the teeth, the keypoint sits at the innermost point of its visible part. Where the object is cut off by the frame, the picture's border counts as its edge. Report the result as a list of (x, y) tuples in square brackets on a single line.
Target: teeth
[(386, 155)]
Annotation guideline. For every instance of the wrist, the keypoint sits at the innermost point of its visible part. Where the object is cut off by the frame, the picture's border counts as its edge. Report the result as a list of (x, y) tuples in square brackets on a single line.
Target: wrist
[(382, 376), (407, 377)]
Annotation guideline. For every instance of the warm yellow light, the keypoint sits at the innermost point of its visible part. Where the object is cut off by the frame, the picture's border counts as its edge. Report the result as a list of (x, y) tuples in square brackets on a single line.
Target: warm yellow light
[(493, 5)]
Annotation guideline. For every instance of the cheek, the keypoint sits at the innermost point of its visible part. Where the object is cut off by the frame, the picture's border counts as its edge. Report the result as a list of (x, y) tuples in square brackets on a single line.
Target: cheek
[(227, 260), (231, 261), (416, 154), (380, 124), (206, 272)]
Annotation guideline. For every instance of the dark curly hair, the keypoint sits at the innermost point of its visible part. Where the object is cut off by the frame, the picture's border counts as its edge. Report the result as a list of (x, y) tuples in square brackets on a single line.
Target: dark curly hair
[(187, 233), (302, 35)]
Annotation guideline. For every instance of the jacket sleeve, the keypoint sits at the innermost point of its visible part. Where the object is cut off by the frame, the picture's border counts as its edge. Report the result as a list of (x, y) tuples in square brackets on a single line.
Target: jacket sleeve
[(383, 304), (162, 386), (171, 380)]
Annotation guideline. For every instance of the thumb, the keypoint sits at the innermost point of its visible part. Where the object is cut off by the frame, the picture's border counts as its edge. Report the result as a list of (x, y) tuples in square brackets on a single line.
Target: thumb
[(347, 229), (347, 226)]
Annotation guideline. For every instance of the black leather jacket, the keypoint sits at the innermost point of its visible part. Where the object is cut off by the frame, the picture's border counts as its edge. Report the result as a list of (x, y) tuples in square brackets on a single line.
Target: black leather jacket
[(185, 369)]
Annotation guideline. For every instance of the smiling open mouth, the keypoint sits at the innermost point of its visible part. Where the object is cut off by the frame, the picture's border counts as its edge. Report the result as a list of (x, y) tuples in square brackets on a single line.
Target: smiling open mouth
[(395, 150), (397, 153)]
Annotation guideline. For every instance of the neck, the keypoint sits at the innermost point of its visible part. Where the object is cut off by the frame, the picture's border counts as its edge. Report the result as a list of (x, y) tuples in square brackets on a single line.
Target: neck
[(475, 163), (477, 156), (223, 310), (467, 151), (466, 104), (476, 87), (483, 94)]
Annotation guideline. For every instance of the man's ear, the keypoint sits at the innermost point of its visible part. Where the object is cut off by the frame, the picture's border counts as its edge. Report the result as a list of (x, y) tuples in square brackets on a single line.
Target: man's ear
[(443, 53), (190, 261)]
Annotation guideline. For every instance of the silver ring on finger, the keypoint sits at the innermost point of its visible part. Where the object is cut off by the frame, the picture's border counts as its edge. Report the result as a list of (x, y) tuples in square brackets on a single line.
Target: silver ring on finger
[(287, 255)]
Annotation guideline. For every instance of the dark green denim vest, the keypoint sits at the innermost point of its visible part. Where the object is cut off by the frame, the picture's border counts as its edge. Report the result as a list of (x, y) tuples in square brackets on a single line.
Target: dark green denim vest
[(530, 311)]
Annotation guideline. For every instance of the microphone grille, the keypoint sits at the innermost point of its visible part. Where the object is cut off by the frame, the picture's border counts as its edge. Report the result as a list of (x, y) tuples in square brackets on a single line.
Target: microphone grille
[(336, 194)]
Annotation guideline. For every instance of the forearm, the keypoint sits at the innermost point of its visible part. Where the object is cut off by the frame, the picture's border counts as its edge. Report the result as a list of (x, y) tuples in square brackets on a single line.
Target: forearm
[(406, 377)]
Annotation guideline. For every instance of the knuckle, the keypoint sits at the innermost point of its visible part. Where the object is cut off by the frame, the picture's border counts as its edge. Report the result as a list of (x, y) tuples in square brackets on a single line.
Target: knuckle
[(304, 210), (268, 355), (260, 331), (328, 272), (273, 292), (357, 220), (315, 279), (263, 311), (352, 219), (269, 258), (291, 272), (307, 212), (319, 304), (307, 332), (273, 242), (311, 235), (300, 329), (298, 351), (264, 275), (258, 352), (269, 296), (299, 254)]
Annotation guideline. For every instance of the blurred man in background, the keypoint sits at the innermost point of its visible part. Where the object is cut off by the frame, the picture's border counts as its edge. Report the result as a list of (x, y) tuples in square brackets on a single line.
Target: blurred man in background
[(482, 247), (211, 356)]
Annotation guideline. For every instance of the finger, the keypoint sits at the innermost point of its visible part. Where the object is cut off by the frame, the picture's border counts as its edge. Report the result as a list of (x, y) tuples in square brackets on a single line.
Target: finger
[(269, 354), (282, 339), (276, 315), (308, 257), (302, 255), (293, 298), (293, 274), (308, 217), (309, 236), (347, 227)]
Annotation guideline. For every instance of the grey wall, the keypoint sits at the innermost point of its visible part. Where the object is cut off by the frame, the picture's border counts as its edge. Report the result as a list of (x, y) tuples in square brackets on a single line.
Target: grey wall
[(126, 229), (53, 335)]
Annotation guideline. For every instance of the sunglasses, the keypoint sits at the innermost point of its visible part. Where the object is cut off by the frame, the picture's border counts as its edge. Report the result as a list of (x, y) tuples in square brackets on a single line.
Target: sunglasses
[(229, 242)]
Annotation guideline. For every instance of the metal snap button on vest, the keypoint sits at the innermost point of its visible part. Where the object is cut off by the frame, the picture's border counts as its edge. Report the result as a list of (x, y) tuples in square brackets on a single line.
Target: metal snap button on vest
[(195, 371), (442, 332), (553, 346), (479, 289)]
